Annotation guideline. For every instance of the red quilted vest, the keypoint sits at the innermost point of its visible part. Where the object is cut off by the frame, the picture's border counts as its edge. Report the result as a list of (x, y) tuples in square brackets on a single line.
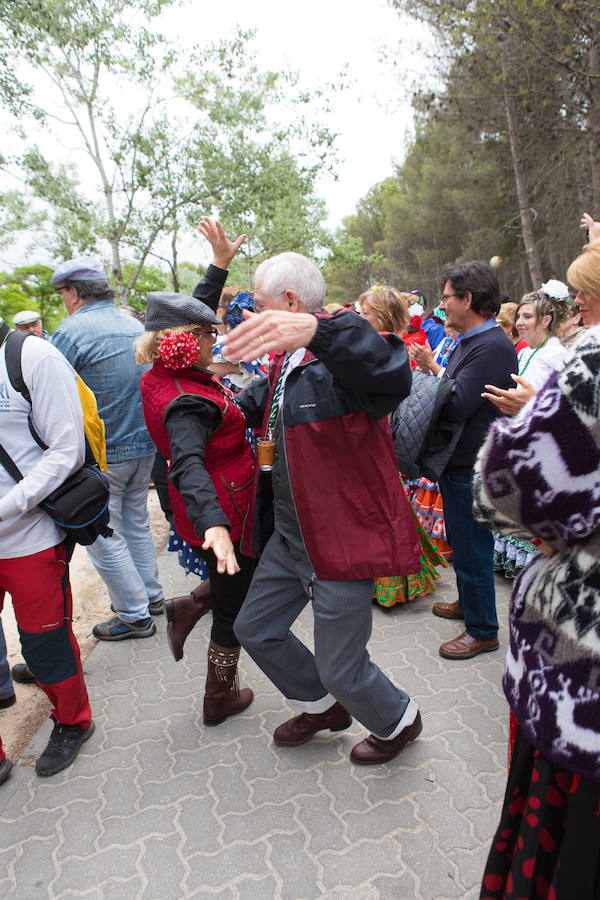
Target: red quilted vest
[(228, 459)]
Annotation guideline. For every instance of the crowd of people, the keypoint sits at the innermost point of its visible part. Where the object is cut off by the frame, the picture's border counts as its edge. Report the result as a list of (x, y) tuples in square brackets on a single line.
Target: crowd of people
[(263, 419)]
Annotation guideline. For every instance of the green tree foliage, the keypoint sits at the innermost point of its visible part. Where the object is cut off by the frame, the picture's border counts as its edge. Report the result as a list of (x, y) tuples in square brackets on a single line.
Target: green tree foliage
[(350, 269), (522, 97), (207, 141), (28, 287)]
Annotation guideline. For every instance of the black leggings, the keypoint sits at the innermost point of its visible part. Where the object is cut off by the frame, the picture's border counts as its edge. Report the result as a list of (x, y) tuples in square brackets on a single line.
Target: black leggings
[(228, 593)]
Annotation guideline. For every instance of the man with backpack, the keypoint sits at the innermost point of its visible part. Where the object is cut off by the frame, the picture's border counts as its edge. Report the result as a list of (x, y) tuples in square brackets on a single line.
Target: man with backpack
[(97, 339), (33, 558)]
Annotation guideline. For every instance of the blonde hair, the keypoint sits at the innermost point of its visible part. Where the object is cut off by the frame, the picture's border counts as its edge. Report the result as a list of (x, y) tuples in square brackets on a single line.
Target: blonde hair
[(146, 345), (389, 305), (543, 305), (508, 316), (333, 307), (584, 271)]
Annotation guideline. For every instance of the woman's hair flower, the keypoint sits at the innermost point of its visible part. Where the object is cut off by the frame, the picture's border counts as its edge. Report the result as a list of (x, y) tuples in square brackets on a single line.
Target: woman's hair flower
[(556, 289), (179, 350)]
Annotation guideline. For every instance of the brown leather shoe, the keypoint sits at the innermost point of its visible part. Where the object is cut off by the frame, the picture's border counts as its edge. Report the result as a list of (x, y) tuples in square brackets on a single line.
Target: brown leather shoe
[(182, 615), (448, 610), (373, 750), (301, 728), (465, 646)]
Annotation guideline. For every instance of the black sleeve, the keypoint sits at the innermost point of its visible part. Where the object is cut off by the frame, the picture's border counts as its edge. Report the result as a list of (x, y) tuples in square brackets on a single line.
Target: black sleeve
[(484, 364), (190, 422), (373, 366), (209, 288), (253, 400)]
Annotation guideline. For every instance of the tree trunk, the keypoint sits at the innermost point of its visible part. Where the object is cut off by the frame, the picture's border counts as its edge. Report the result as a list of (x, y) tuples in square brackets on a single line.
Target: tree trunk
[(174, 275), (594, 117), (117, 272), (533, 257)]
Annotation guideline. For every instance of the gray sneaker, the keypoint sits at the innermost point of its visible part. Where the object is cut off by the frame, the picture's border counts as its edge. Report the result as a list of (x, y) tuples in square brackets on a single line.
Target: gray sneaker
[(116, 630)]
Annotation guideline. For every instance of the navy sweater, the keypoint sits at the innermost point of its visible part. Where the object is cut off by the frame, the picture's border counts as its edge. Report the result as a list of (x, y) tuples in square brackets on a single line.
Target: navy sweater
[(485, 358)]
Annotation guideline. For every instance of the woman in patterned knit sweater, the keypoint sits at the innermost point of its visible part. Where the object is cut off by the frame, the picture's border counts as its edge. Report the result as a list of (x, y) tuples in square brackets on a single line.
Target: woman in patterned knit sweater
[(538, 474)]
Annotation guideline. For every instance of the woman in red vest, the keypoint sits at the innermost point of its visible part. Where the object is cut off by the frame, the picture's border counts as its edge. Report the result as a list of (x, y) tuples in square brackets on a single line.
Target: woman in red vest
[(195, 424)]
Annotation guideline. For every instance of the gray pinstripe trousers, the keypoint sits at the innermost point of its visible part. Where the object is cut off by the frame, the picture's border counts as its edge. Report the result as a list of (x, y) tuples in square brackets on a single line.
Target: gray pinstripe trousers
[(340, 668)]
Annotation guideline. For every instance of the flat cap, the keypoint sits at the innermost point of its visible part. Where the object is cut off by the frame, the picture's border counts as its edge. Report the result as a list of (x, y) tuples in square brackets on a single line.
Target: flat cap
[(26, 317), (83, 268), (166, 310)]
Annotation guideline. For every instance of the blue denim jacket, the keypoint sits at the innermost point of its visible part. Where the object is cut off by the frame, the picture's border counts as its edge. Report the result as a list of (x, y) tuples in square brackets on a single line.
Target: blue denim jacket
[(98, 342)]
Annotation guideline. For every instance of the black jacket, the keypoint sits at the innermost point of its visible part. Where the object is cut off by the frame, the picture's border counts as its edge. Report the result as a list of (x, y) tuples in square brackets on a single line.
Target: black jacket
[(484, 358)]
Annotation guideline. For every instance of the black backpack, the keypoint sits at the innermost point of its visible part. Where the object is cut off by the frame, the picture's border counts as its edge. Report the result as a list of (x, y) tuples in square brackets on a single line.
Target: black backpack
[(80, 505)]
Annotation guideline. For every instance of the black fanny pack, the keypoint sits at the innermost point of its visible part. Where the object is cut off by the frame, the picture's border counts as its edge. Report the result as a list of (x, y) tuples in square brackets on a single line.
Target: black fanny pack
[(79, 506)]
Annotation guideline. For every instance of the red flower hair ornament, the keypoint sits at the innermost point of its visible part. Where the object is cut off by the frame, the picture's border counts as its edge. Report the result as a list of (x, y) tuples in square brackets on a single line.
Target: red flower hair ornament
[(179, 350)]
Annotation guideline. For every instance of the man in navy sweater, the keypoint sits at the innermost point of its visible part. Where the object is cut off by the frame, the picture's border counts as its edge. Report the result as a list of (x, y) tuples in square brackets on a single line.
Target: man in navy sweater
[(471, 299)]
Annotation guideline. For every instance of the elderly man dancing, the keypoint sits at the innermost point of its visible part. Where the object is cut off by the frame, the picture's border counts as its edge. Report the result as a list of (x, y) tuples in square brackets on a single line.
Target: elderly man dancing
[(340, 515)]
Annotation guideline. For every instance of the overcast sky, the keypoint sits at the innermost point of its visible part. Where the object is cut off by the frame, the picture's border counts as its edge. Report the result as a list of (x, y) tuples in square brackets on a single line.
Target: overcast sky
[(383, 54)]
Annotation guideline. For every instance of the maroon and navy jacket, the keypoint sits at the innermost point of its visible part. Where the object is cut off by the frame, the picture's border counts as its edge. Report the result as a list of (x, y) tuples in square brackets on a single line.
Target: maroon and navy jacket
[(228, 458), (353, 514)]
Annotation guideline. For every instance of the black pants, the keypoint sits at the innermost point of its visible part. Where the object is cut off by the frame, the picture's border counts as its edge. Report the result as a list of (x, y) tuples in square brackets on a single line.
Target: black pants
[(159, 478), (228, 594)]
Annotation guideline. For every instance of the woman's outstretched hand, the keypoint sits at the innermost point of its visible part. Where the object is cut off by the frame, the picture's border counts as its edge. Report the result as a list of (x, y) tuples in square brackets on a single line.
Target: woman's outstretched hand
[(217, 539), (510, 402), (223, 249)]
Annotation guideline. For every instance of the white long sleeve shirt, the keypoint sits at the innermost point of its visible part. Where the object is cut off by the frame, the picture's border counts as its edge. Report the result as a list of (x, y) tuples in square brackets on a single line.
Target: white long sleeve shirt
[(536, 365), (58, 420)]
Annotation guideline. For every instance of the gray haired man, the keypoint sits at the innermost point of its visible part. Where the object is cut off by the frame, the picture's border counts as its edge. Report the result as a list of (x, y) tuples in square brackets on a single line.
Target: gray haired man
[(97, 339), (325, 406)]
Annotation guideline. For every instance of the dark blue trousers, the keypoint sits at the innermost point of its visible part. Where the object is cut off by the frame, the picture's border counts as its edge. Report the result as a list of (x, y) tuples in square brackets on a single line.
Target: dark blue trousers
[(472, 555)]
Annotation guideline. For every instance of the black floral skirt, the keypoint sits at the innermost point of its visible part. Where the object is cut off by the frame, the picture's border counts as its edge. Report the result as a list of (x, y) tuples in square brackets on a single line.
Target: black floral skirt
[(547, 846)]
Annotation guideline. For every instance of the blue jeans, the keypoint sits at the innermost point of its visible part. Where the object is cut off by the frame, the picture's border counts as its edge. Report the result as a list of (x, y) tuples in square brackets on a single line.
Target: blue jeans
[(127, 560), (6, 685), (472, 555)]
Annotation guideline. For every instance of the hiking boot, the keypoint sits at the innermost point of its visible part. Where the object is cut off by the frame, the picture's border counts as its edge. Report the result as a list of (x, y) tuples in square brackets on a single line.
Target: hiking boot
[(116, 630), (5, 769), (62, 748), (22, 674), (156, 608), (5, 702)]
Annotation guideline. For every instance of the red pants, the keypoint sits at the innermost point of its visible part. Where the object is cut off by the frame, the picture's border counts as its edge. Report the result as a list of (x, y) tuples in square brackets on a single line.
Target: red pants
[(41, 595)]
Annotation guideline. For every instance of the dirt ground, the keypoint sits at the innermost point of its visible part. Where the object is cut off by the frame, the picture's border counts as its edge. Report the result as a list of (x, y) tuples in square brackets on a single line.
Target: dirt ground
[(20, 722)]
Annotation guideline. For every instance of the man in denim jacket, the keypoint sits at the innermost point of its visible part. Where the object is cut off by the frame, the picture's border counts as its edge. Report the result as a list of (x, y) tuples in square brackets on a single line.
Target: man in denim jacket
[(97, 339)]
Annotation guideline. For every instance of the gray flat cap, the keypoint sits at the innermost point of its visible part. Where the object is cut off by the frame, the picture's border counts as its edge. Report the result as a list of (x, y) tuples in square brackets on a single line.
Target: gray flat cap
[(166, 310), (83, 268), (26, 317)]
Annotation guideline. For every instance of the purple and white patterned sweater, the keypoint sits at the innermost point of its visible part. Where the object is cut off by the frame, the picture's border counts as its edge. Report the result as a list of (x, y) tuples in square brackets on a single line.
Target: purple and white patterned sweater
[(539, 474)]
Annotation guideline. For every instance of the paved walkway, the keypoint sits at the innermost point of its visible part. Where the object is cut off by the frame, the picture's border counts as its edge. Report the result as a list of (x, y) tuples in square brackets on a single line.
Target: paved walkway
[(158, 806)]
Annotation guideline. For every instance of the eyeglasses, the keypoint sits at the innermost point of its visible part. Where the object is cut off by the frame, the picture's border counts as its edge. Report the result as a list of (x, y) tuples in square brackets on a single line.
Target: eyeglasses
[(445, 297)]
